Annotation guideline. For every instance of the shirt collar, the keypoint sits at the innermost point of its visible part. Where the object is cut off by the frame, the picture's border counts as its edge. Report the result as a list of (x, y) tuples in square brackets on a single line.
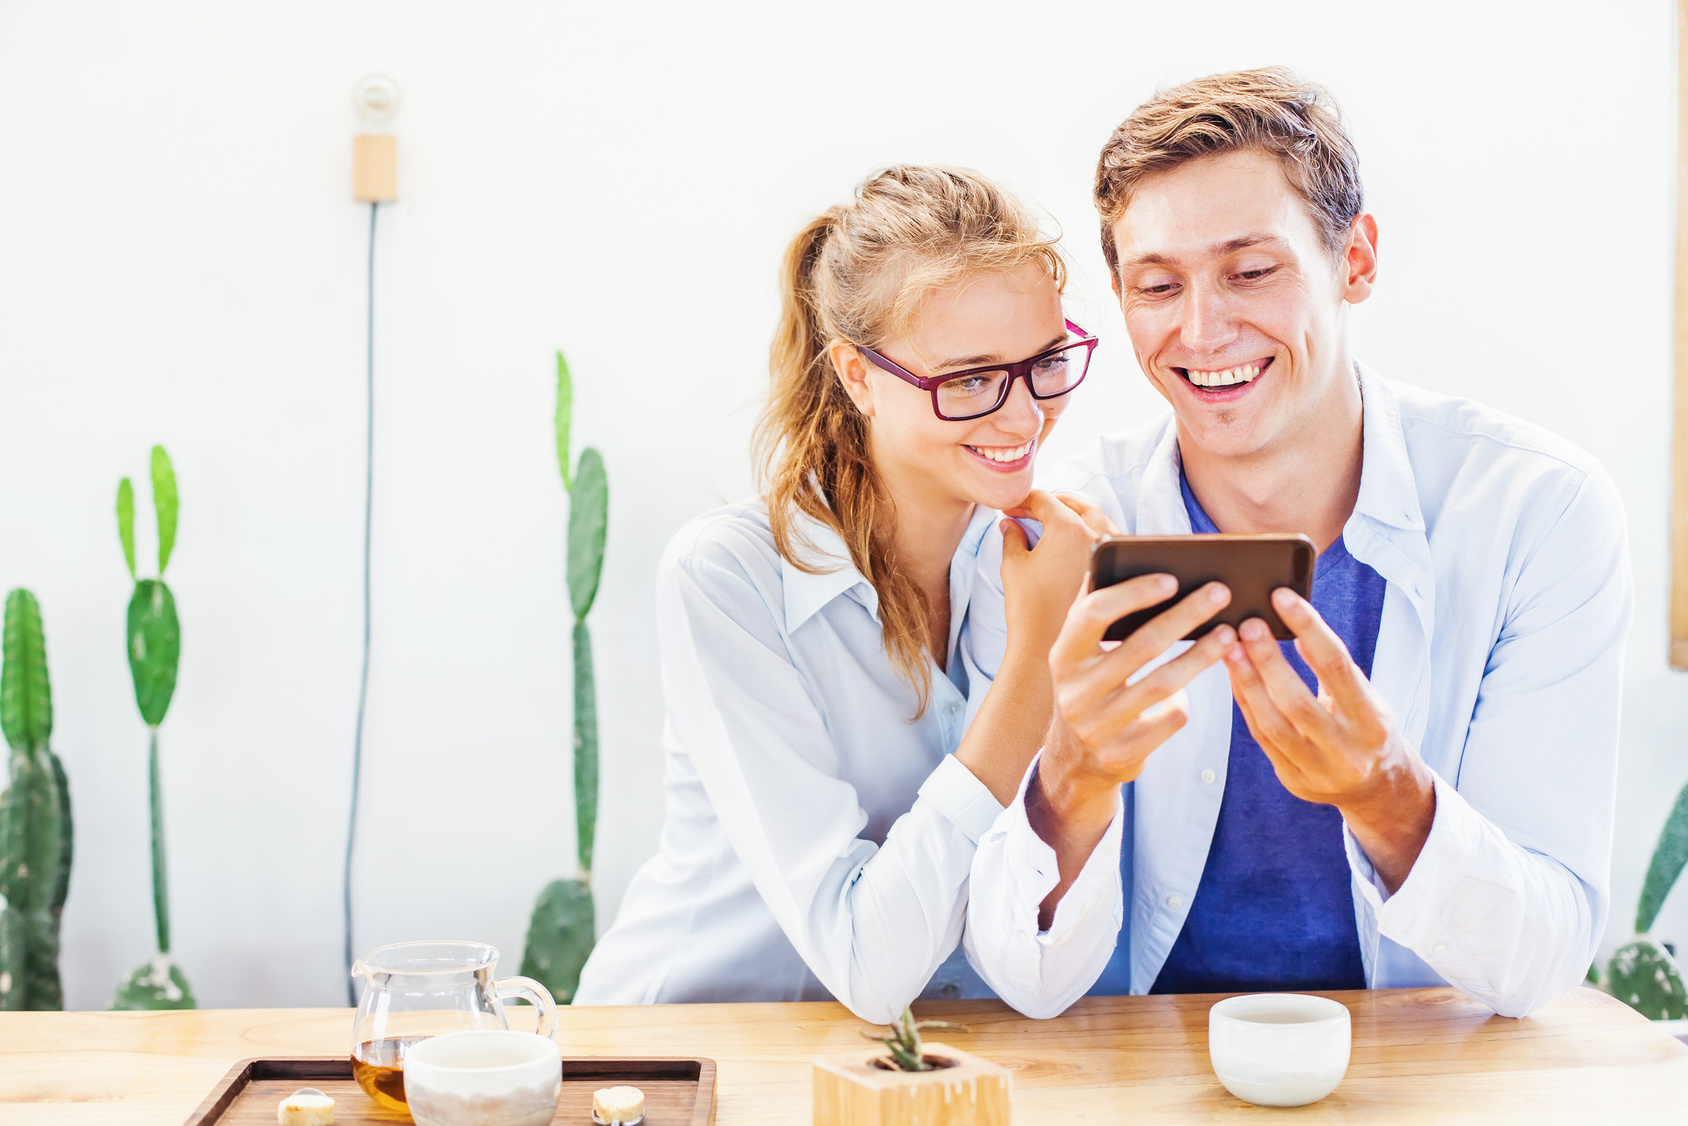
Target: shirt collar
[(834, 574), (1388, 491)]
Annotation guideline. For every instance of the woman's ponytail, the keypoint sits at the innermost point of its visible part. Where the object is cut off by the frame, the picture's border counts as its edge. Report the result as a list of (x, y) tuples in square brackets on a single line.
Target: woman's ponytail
[(859, 273)]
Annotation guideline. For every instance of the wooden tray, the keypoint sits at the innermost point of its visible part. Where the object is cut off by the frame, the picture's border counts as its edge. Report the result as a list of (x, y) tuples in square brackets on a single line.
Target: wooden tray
[(678, 1092)]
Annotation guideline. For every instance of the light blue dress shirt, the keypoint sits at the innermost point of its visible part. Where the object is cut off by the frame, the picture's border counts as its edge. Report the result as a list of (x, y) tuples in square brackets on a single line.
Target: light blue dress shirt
[(1500, 652), (818, 837)]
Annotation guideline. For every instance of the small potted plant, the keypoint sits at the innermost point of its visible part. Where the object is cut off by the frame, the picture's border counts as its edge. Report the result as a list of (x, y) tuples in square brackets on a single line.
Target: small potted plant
[(1643, 973), (909, 1081)]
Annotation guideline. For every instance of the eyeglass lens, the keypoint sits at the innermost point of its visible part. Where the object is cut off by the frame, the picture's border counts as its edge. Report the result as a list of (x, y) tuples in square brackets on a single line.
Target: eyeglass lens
[(981, 392)]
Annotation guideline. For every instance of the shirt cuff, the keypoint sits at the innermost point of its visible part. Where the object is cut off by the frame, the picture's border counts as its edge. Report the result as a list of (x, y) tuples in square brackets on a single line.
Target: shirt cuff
[(1414, 916), (955, 792), (1034, 871)]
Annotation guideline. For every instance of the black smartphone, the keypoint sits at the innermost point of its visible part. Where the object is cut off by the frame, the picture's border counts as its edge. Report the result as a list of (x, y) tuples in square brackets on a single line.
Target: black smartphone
[(1252, 566)]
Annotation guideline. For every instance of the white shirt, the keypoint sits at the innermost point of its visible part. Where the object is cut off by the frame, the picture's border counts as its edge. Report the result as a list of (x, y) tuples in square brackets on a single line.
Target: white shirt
[(1500, 652), (818, 839)]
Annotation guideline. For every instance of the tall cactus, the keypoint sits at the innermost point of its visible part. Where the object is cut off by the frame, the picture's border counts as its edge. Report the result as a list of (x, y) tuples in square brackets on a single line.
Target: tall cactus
[(35, 825), (563, 928), (155, 646)]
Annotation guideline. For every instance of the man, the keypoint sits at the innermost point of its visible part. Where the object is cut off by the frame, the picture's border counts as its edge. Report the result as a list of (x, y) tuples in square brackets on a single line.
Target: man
[(1418, 790)]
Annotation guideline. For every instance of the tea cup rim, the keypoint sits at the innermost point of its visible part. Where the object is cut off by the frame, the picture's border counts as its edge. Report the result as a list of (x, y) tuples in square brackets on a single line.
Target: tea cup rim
[(551, 1049), (1320, 1010)]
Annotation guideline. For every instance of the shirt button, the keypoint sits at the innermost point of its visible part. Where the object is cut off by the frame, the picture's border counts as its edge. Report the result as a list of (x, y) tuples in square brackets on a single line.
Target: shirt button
[(1023, 937), (1438, 950), (1175, 901), (1209, 776), (953, 708)]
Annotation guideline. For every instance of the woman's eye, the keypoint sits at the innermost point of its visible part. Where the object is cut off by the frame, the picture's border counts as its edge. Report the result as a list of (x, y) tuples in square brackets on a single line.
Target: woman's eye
[(970, 385)]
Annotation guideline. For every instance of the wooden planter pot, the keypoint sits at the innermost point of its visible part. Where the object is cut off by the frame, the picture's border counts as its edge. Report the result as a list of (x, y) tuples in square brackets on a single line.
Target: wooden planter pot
[(855, 1091)]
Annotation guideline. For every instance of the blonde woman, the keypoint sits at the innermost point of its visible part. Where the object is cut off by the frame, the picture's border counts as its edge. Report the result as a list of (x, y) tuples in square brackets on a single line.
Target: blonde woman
[(832, 759)]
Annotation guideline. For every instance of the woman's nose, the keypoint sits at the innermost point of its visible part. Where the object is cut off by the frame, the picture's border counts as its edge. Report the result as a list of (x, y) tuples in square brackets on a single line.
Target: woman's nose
[(1020, 411)]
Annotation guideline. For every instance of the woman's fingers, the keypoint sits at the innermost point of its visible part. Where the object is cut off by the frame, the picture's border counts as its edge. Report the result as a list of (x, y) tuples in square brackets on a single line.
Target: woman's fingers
[(1090, 512), (1014, 544), (1045, 509)]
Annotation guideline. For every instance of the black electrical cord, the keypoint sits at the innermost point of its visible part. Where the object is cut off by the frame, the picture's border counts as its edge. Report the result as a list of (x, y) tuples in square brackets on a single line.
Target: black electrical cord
[(363, 680)]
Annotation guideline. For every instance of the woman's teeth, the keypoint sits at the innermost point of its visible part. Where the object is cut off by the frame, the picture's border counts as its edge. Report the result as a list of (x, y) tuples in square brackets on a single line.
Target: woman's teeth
[(1224, 378), (1003, 453)]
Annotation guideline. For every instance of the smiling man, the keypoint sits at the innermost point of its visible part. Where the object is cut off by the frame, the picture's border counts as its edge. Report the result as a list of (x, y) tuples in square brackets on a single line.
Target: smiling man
[(1418, 790)]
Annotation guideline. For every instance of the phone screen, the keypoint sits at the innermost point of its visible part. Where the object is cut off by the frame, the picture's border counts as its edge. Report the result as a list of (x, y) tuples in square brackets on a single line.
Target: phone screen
[(1252, 566)]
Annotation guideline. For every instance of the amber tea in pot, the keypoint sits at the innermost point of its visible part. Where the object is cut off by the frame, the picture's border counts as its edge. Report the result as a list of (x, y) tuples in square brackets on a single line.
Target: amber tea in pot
[(414, 990)]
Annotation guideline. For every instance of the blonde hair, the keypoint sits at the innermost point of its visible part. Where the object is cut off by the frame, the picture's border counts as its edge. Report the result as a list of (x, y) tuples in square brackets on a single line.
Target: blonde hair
[(859, 273), (1273, 110)]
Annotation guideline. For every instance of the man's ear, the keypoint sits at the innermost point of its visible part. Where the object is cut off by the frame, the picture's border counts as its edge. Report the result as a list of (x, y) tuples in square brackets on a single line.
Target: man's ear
[(1359, 261), (852, 369)]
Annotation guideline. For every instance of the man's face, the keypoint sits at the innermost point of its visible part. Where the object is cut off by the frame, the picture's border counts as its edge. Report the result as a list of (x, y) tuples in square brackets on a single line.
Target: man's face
[(1235, 306)]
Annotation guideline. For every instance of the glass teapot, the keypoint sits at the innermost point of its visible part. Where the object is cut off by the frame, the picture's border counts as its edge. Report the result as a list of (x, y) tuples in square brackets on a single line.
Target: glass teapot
[(413, 990)]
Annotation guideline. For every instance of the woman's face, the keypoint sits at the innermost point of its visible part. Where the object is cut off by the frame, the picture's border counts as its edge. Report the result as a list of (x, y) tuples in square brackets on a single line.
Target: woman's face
[(985, 319)]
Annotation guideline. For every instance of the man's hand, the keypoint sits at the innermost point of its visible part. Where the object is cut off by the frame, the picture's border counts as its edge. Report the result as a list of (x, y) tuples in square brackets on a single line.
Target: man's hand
[(1104, 726), (1342, 748)]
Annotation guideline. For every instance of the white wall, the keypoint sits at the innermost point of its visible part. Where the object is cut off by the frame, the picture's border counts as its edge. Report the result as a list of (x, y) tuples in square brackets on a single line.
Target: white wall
[(180, 262)]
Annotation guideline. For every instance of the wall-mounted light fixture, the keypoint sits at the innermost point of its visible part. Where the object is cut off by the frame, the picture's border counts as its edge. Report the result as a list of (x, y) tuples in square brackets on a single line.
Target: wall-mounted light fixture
[(375, 151)]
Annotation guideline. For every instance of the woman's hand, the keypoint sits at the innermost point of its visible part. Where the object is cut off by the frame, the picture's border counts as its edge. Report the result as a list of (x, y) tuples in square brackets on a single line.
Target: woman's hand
[(1040, 583)]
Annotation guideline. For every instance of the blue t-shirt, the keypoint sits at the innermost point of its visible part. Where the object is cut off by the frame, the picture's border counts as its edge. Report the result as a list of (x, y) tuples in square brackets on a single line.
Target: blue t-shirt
[(1274, 909)]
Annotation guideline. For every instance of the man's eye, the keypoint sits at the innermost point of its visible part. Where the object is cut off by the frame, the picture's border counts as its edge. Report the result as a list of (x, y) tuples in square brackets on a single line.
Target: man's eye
[(1255, 275)]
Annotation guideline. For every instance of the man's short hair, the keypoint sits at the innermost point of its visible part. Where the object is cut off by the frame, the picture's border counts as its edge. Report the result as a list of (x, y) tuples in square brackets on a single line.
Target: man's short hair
[(1272, 110)]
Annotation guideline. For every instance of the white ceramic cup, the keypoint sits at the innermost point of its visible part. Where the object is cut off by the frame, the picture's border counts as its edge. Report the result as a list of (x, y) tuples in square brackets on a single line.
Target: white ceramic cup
[(1279, 1049), (489, 1077)]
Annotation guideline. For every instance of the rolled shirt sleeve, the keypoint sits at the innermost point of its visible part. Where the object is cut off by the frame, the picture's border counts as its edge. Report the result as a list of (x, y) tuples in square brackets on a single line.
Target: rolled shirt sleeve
[(871, 922), (1041, 972), (1508, 899)]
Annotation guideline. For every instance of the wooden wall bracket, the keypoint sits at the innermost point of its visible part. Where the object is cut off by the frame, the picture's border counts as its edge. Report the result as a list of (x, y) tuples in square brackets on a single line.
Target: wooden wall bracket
[(375, 167)]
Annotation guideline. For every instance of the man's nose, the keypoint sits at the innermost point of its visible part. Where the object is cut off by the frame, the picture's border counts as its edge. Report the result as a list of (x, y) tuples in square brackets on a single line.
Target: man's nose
[(1208, 324)]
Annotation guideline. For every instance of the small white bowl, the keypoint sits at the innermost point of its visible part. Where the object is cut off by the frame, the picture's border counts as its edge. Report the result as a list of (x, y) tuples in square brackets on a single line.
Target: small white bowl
[(487, 1076), (1279, 1049)]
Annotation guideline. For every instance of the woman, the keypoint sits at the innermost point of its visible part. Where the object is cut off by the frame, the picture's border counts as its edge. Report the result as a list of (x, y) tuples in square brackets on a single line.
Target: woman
[(819, 830)]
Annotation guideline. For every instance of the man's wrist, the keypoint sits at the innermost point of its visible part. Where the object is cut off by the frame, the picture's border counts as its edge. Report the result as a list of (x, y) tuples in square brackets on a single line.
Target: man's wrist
[(1393, 823), (1063, 803)]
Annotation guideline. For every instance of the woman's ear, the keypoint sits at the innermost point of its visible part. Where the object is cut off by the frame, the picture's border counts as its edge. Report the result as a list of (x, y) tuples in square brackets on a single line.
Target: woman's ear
[(852, 369)]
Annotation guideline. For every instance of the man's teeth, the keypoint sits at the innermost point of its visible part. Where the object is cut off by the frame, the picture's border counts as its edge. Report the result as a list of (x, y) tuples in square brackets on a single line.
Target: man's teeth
[(1225, 378), (1003, 453)]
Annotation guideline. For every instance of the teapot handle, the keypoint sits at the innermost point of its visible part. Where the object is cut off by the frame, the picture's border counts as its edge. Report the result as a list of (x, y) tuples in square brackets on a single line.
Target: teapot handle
[(536, 995)]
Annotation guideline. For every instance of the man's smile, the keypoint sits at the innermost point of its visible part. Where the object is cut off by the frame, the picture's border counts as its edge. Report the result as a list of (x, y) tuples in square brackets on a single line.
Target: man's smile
[(1224, 379)]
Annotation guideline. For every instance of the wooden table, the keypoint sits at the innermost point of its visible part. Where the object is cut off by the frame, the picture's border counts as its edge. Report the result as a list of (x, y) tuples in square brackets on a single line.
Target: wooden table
[(1420, 1055)]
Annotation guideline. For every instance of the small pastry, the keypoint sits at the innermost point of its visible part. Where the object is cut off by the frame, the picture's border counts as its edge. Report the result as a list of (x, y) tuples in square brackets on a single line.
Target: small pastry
[(618, 1106), (306, 1107)]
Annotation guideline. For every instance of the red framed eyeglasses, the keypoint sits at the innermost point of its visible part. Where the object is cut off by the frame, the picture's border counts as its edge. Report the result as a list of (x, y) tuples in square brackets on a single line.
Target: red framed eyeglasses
[(958, 396)]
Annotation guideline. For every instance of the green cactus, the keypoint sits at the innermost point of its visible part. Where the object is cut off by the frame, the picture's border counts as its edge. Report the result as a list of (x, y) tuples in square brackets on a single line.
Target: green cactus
[(560, 936), (1669, 858), (907, 1052), (155, 648), (1644, 976), (35, 823), (585, 750), (563, 930)]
